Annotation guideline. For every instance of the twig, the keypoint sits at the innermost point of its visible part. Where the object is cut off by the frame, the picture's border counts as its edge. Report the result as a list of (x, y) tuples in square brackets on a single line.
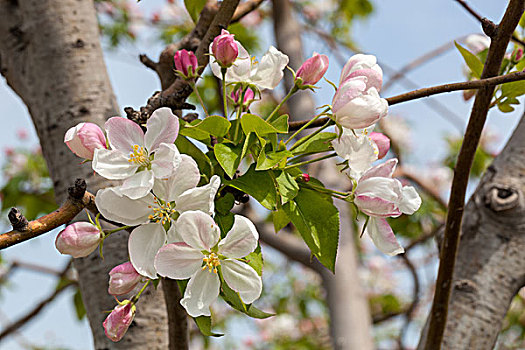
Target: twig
[(434, 90), (148, 62), (77, 200), (456, 206), (245, 8), (415, 297)]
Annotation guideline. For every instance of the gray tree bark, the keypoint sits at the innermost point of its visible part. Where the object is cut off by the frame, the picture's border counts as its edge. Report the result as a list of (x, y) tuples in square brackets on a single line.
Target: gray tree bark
[(50, 55)]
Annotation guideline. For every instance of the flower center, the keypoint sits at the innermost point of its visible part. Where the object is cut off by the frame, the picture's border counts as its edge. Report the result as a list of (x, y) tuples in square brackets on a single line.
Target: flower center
[(138, 156), (162, 213), (211, 262)]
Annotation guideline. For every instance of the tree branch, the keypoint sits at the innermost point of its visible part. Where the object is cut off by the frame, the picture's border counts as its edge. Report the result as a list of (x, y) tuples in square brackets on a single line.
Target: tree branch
[(177, 319), (477, 119)]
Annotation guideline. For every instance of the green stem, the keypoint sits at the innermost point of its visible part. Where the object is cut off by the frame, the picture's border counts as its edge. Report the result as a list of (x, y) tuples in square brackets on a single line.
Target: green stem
[(136, 297), (239, 111), (306, 138), (310, 161), (224, 99), (327, 190), (305, 126), (274, 112), (108, 232), (200, 99)]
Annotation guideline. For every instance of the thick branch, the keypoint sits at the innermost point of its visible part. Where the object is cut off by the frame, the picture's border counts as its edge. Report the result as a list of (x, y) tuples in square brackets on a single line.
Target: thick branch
[(461, 174), (177, 319)]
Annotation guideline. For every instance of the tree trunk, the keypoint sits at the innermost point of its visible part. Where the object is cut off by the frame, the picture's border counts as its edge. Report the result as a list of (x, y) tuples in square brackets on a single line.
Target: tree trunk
[(51, 57)]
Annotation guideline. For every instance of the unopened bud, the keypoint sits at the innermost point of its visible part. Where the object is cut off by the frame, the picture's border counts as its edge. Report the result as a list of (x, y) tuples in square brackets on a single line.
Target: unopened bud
[(382, 142), (118, 321), (313, 69), (84, 138), (224, 49), (122, 279), (186, 63), (78, 240)]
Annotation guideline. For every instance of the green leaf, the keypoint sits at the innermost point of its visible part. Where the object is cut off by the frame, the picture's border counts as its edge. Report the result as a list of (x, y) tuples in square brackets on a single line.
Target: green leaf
[(224, 204), (520, 65), (194, 8), (472, 61), (255, 260), (204, 324), (319, 143), (185, 146), (317, 220), (286, 186), (79, 305), (514, 89), (281, 123), (228, 156), (280, 219), (505, 107), (267, 161), (225, 222), (259, 185), (254, 123)]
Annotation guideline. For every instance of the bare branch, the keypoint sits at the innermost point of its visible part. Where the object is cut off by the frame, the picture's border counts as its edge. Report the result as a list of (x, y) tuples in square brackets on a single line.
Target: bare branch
[(177, 318)]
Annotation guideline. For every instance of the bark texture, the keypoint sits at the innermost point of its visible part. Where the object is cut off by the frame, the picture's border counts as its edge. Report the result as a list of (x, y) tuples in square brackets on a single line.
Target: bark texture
[(51, 57)]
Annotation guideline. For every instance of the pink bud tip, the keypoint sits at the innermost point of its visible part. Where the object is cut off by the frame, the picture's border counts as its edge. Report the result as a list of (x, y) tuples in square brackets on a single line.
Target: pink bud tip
[(248, 96), (122, 279), (225, 49), (186, 63), (382, 142), (84, 138), (118, 321), (78, 240), (313, 69), (306, 177)]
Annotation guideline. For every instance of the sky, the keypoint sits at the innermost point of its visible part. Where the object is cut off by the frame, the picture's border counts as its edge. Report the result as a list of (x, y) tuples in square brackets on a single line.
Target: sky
[(397, 33)]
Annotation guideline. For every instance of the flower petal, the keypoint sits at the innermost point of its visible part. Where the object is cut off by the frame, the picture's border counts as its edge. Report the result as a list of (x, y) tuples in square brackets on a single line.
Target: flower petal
[(178, 261), (123, 134), (241, 240), (385, 169), (383, 237), (410, 200), (112, 164), (201, 291), (144, 243), (376, 206), (173, 235), (269, 71), (239, 71), (117, 207), (243, 279), (198, 230), (162, 127), (200, 198), (362, 111), (360, 151), (185, 177), (138, 185), (166, 160)]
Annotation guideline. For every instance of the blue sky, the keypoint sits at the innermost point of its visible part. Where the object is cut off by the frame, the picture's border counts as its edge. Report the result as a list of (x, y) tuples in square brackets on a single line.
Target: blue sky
[(397, 32)]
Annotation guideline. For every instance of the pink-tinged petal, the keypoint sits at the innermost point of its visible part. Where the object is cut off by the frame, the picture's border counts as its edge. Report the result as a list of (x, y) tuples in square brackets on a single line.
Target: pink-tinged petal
[(376, 206), (362, 111), (123, 134), (201, 291), (382, 142), (410, 200), (382, 187), (198, 230), (178, 261), (123, 279), (239, 71), (243, 279), (374, 77), (224, 49), (174, 236), (112, 164), (200, 198), (166, 161), (352, 88), (162, 127), (385, 169), (84, 139), (144, 243), (313, 69), (78, 239), (359, 150), (383, 237), (185, 177), (116, 207), (356, 62), (138, 185), (241, 240), (117, 323)]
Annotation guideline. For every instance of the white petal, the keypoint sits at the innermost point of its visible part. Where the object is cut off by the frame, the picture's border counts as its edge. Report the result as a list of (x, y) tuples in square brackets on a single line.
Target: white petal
[(162, 127), (240, 70), (381, 187), (269, 71), (117, 207), (202, 290), (198, 230), (241, 240), (383, 237), (178, 261), (112, 164), (123, 134), (385, 169), (173, 235), (144, 243), (410, 200), (360, 151), (185, 177), (138, 185), (166, 160), (200, 198), (243, 279)]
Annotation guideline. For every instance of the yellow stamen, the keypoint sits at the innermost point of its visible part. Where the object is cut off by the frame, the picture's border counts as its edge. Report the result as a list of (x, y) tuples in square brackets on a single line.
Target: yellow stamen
[(211, 262), (139, 155), (161, 213)]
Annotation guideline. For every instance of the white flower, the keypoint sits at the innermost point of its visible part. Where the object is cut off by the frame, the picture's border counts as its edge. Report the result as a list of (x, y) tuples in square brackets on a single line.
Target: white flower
[(265, 74), (358, 149), (200, 255), (136, 157)]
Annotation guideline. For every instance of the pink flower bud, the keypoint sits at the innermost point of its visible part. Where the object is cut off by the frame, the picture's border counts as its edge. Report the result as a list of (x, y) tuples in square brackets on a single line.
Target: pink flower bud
[(248, 96), (122, 279), (363, 66), (84, 138), (186, 63), (305, 177), (313, 69), (78, 239), (382, 142), (517, 54), (224, 49), (118, 321)]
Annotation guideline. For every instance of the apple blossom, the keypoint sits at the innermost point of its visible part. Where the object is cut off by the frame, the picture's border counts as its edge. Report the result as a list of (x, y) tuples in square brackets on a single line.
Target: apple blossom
[(382, 142), (265, 74), (355, 107), (224, 49), (139, 157), (202, 252), (365, 66), (119, 320), (123, 278), (358, 149), (313, 69), (84, 138), (186, 64), (78, 239)]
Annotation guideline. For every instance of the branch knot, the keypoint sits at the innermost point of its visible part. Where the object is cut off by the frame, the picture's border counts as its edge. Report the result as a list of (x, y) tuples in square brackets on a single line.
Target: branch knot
[(18, 220)]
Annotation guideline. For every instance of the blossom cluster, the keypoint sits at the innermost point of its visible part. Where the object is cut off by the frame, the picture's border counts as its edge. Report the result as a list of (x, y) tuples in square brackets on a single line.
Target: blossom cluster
[(169, 206)]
